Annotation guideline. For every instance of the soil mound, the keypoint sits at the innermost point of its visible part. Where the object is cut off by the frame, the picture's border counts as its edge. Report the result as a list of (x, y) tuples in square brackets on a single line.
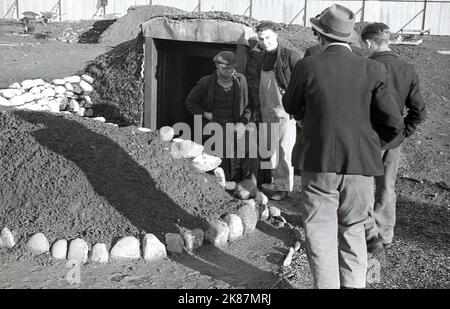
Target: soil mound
[(69, 177)]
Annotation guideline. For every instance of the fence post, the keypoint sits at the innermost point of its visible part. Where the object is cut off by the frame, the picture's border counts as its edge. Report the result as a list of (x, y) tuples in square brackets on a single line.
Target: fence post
[(424, 14), (363, 10), (17, 10), (251, 9), (60, 10), (199, 6), (305, 16)]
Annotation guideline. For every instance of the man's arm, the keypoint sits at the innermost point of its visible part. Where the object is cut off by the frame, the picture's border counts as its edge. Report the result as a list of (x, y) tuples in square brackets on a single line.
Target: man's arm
[(246, 114), (194, 99), (385, 115), (294, 98), (294, 59), (415, 107)]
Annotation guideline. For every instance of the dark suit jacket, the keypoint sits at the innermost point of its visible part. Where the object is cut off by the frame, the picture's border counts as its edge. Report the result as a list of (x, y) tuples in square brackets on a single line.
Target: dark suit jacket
[(314, 50), (405, 82), (347, 105), (201, 97)]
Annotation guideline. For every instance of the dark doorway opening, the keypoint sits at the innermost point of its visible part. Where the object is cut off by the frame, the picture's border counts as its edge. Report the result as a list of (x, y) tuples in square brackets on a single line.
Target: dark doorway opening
[(180, 65)]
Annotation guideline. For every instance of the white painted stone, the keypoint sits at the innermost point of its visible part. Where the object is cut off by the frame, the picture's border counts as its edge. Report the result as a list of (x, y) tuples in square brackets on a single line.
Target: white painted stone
[(10, 93), (59, 250), (235, 225), (78, 251), (246, 189), (199, 235), (230, 186), (14, 86), (39, 82), (220, 174), (274, 211), (249, 218), (189, 241), (7, 238), (88, 78), (127, 248), (81, 112), (38, 244), (152, 248), (101, 119), (38, 96), (53, 106), (4, 102), (186, 150), (60, 90), (144, 130), (86, 87), (88, 100), (261, 198), (174, 243), (204, 163), (250, 202), (264, 213), (288, 259), (217, 233), (72, 79), (28, 84), (100, 254), (28, 97), (59, 82), (19, 100), (49, 92), (74, 107), (68, 87), (166, 134)]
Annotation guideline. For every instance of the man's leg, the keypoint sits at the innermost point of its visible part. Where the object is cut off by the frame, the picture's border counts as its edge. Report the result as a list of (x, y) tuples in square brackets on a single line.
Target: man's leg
[(385, 197), (283, 175), (355, 199), (319, 204)]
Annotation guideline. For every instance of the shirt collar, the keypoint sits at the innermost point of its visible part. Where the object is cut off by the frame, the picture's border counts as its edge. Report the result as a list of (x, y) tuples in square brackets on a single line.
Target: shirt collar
[(339, 44)]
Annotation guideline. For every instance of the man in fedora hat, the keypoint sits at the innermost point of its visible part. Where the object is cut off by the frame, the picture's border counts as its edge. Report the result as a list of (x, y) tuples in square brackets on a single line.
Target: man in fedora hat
[(316, 49), (347, 108), (222, 98), (271, 77)]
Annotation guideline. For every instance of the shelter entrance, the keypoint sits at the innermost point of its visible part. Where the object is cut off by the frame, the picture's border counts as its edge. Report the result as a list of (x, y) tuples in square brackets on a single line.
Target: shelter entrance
[(177, 54), (180, 66)]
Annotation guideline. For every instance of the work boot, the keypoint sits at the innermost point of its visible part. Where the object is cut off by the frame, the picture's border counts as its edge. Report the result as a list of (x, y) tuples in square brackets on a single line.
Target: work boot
[(375, 246), (279, 196)]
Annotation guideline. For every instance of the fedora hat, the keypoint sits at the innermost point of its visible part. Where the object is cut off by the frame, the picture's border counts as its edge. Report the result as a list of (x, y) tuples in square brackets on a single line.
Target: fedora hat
[(337, 22)]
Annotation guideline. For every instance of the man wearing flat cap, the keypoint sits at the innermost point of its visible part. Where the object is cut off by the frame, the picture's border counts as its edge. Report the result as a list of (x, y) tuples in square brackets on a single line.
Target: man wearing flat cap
[(222, 98), (347, 108)]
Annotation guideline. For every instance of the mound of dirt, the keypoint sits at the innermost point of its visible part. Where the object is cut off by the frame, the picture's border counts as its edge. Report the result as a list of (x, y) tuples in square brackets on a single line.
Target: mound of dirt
[(128, 27), (69, 177), (119, 87)]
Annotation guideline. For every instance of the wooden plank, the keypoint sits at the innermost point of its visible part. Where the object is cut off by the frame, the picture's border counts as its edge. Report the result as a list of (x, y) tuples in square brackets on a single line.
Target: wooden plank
[(242, 58), (151, 85)]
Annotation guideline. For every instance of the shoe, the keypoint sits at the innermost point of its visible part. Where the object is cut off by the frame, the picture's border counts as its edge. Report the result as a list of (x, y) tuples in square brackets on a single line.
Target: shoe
[(279, 196), (268, 186), (375, 246)]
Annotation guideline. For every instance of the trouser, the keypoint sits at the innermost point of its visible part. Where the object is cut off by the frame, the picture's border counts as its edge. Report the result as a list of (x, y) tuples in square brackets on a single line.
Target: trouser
[(334, 209), (381, 220), (280, 158)]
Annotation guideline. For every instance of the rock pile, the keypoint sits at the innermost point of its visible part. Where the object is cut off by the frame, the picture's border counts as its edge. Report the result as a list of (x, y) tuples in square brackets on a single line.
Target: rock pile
[(69, 94)]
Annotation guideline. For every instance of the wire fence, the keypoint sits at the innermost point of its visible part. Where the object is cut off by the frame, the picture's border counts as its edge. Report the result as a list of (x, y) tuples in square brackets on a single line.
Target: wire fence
[(432, 15)]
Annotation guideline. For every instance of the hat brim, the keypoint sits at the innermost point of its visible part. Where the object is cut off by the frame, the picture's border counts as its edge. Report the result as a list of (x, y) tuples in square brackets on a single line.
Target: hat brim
[(352, 38)]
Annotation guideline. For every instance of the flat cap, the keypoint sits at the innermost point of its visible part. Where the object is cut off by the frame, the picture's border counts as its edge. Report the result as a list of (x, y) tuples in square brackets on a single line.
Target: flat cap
[(225, 57)]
